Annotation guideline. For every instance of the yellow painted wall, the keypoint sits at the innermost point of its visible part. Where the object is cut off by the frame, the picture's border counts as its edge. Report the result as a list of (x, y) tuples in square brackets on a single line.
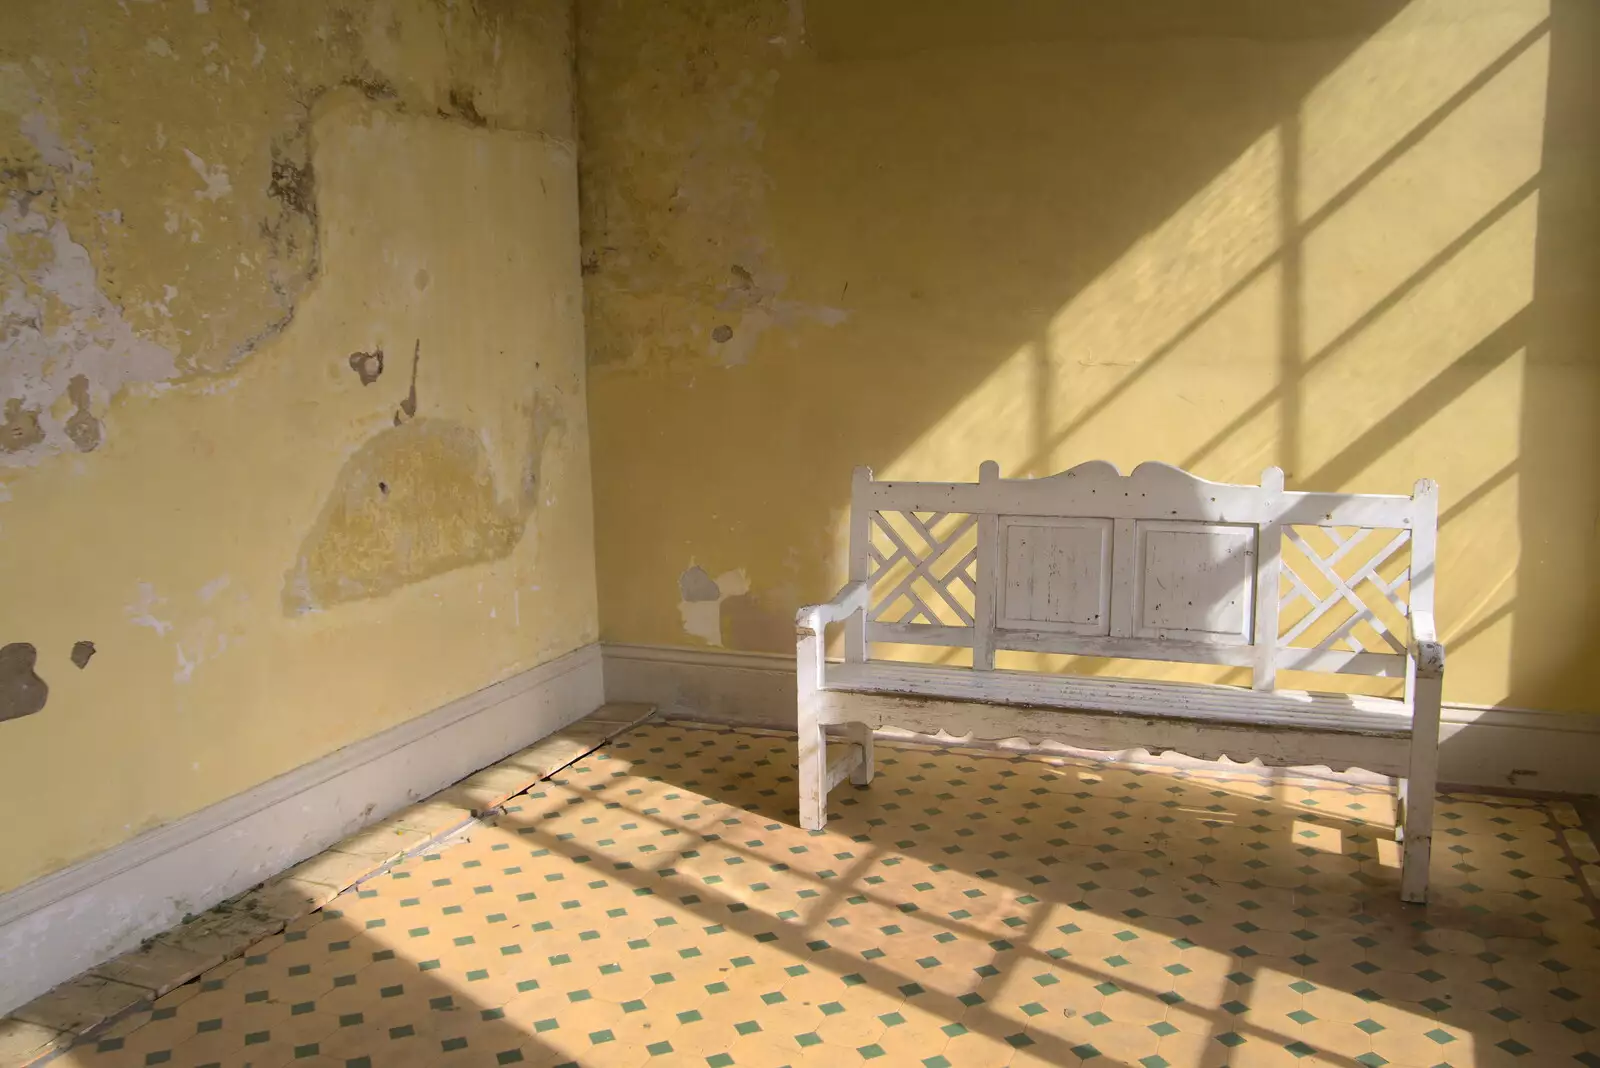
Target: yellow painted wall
[(212, 217), (1355, 240)]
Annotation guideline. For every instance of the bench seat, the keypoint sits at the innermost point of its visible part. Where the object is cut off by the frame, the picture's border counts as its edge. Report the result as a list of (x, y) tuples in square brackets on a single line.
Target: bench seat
[(1202, 702)]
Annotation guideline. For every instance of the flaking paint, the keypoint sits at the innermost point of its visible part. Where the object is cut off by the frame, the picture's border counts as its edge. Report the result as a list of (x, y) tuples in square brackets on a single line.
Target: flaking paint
[(391, 174)]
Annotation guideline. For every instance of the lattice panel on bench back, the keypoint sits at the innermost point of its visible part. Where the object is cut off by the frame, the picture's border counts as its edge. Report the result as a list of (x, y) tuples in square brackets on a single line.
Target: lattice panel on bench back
[(923, 568), (1345, 589)]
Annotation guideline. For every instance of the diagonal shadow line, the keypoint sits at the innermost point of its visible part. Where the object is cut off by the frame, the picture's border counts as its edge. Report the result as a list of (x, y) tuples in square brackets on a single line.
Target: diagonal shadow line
[(1159, 353), (1433, 121), (1482, 490), (1043, 391), (1389, 301), (756, 808), (791, 938), (829, 903), (980, 1020), (1291, 295), (1458, 640), (1033, 928), (993, 1025), (1466, 371), (1405, 143)]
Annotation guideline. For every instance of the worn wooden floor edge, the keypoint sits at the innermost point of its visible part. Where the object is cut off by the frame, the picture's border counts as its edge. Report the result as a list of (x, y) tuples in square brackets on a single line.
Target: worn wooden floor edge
[(1523, 749), (62, 924), (19, 902), (47, 1027)]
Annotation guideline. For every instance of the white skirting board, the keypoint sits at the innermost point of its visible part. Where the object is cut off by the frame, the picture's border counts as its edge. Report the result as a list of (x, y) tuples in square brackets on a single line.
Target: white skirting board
[(1505, 748), (59, 925)]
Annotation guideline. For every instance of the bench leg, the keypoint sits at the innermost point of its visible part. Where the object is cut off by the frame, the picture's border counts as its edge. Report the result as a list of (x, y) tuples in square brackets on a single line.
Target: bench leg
[(1414, 813), (860, 736), (813, 776)]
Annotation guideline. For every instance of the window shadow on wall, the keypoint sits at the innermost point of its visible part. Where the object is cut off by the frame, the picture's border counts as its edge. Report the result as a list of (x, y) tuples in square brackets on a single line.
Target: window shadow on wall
[(1392, 279)]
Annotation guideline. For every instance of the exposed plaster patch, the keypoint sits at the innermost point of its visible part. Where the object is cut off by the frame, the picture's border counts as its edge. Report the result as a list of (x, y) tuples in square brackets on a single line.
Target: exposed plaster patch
[(210, 590), (702, 599), (60, 337), (793, 38), (244, 246), (695, 585), (22, 692), (141, 613), (41, 134), (214, 175), (761, 307), (185, 667), (82, 652), (196, 639), (202, 641), (367, 365)]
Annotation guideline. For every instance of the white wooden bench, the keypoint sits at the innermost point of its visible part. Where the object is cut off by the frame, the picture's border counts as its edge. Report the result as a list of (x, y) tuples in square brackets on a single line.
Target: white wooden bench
[(1156, 565)]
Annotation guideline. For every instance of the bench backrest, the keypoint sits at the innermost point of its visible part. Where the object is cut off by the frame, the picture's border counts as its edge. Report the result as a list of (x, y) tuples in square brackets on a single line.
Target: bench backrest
[(1155, 565)]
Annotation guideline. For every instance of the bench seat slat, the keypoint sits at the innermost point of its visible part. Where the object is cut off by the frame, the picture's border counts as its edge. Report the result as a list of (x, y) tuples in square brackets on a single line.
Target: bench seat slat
[(1383, 665), (1223, 704), (1385, 754)]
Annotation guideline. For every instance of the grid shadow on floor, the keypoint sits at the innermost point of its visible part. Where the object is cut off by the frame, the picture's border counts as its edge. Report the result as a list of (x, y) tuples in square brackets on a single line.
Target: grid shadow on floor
[(655, 904)]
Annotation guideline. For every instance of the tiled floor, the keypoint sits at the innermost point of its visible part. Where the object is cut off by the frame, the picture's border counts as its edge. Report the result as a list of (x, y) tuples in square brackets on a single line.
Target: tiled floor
[(655, 904)]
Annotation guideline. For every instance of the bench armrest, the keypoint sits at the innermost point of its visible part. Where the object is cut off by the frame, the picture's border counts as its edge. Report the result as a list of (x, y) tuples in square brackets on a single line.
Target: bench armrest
[(847, 602), (1426, 648), (810, 624)]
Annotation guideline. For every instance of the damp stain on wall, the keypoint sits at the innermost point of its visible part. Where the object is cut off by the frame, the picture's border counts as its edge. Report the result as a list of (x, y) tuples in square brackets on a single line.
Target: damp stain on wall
[(757, 620), (414, 501), (682, 271), (408, 406), (81, 427), (22, 691), (19, 426)]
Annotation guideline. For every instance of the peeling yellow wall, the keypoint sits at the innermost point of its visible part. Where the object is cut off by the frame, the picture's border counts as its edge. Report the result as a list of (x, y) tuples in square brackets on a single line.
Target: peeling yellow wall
[(1355, 240), (217, 223)]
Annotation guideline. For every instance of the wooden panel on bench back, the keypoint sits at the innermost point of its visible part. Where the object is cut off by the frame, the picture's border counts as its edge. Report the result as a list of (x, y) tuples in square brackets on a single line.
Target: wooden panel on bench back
[(1156, 565)]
